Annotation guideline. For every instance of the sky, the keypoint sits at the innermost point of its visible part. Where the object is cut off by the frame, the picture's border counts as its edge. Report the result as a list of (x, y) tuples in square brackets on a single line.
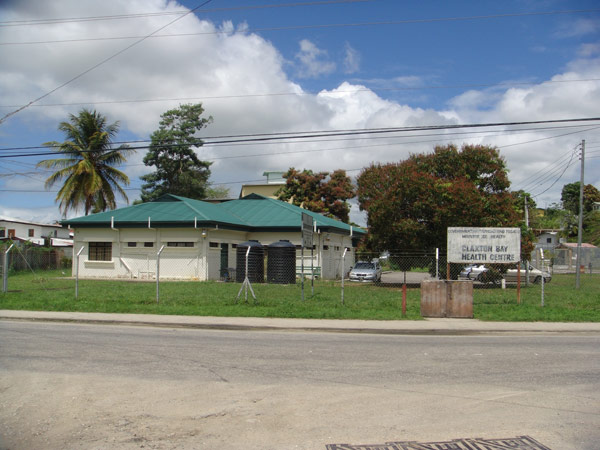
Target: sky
[(300, 66)]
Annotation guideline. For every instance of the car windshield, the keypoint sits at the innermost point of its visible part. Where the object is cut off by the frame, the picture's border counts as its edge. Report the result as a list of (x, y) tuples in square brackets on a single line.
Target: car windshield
[(364, 266)]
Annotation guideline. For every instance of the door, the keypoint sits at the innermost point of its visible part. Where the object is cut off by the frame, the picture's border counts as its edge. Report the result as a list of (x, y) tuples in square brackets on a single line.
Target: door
[(224, 261)]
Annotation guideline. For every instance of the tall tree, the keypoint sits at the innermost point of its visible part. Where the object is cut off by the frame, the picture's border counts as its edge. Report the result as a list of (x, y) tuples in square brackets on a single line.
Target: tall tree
[(570, 197), (90, 178), (320, 192), (411, 204), (178, 171)]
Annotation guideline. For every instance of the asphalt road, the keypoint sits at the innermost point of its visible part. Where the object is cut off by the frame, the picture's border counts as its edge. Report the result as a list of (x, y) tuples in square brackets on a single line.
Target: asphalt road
[(103, 386)]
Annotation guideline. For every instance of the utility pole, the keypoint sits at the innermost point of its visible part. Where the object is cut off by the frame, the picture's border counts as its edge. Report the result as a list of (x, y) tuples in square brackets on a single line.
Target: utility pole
[(580, 226), (527, 225)]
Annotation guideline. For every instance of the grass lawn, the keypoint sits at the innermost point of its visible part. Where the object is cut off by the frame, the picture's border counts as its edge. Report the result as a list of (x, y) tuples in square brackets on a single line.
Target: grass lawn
[(52, 291)]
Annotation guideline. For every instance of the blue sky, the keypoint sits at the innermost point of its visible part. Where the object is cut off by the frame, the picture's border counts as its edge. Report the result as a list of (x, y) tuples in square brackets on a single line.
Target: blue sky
[(319, 65)]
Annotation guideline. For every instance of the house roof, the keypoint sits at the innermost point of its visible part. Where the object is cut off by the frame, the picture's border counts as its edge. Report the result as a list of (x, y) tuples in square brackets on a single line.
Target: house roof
[(27, 222), (251, 213), (574, 245)]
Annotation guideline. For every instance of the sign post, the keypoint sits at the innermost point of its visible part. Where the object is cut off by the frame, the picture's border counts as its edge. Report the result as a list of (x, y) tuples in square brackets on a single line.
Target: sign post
[(486, 246), (307, 241)]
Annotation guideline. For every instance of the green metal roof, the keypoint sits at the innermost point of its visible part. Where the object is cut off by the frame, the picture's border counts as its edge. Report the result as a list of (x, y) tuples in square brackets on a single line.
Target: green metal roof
[(251, 213), (267, 213)]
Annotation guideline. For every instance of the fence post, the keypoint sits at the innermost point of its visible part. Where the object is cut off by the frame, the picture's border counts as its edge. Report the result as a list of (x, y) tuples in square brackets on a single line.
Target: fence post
[(77, 272), (343, 271), (5, 270), (542, 269), (158, 271), (437, 263)]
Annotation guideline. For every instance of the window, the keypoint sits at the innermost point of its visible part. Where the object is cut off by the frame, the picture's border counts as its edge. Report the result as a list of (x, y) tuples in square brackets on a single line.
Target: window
[(2, 233), (148, 244), (100, 251), (31, 232), (132, 244), (549, 240), (213, 244), (180, 244)]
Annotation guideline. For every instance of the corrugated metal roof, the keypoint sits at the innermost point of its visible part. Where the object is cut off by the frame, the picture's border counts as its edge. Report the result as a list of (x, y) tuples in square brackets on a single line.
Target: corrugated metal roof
[(168, 210), (250, 213), (264, 212)]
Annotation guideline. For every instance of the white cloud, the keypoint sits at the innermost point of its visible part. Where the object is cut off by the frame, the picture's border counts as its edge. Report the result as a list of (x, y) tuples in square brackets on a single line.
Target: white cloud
[(580, 27), (314, 62), (351, 60), (229, 70)]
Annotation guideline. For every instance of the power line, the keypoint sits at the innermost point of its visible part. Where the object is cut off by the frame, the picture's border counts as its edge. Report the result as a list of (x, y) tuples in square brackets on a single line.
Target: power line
[(369, 132), (166, 13), (202, 141), (321, 26), (270, 137), (101, 63)]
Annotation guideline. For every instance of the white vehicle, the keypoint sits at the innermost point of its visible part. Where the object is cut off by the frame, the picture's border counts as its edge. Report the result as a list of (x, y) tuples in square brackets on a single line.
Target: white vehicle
[(535, 275), (479, 273), (366, 271)]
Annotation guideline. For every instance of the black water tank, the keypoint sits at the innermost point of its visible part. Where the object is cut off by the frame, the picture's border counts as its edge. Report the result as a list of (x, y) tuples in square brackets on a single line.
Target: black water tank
[(281, 263), (256, 262)]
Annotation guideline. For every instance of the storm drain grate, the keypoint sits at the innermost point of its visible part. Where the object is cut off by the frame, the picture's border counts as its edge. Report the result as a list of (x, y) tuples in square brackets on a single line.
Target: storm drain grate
[(516, 443)]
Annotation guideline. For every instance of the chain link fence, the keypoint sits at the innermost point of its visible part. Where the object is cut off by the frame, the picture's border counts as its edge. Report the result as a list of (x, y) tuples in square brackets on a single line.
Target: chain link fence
[(283, 268)]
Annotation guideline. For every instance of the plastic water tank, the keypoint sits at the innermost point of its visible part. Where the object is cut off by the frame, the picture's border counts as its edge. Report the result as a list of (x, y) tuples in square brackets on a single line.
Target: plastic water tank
[(256, 262), (281, 263)]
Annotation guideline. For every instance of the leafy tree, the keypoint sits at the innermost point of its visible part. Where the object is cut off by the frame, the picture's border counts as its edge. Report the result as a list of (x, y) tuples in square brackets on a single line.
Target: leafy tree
[(319, 192), (178, 171), (411, 204), (216, 192), (90, 180), (570, 197)]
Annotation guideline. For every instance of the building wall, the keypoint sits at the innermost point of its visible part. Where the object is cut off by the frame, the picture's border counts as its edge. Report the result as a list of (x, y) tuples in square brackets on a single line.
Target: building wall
[(39, 230), (134, 252)]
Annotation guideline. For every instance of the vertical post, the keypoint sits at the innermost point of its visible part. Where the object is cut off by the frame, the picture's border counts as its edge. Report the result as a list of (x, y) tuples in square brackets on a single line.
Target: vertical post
[(343, 271), (404, 300), (5, 270), (437, 263), (77, 272), (158, 271), (519, 283), (580, 226), (527, 225), (448, 271), (312, 271), (302, 268), (542, 269)]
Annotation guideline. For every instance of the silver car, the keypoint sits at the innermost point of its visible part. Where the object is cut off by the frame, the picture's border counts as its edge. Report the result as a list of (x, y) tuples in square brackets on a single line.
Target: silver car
[(366, 271)]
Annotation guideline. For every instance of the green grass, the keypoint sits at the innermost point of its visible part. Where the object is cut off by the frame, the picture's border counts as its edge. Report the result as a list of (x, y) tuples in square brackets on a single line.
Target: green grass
[(52, 291)]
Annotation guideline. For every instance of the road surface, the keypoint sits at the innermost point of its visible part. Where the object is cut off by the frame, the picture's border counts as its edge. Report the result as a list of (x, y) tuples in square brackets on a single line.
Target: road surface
[(73, 386)]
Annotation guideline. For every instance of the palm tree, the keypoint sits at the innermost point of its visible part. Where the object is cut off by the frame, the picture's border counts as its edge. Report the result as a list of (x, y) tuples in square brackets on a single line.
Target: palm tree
[(90, 180)]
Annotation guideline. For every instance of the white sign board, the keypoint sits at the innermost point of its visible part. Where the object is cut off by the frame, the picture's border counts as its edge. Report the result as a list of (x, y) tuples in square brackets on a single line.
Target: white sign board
[(484, 245), (307, 230)]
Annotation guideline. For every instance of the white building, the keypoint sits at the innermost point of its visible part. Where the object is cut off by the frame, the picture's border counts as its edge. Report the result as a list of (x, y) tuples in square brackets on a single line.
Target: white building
[(37, 233), (199, 239)]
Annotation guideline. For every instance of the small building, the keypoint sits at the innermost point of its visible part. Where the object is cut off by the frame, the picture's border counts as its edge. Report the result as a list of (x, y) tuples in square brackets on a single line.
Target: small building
[(274, 182), (199, 239), (566, 256), (547, 239), (34, 232)]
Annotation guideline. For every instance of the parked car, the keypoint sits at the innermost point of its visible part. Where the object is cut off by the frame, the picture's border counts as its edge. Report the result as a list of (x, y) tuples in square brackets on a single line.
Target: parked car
[(483, 274), (535, 275), (472, 271), (366, 271)]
